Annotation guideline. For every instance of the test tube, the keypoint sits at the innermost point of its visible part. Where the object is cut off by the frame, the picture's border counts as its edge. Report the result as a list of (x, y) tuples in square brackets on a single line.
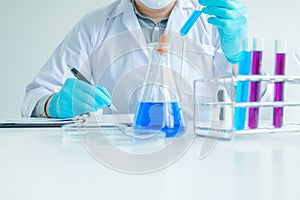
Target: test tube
[(280, 51), (190, 22), (242, 86), (257, 54)]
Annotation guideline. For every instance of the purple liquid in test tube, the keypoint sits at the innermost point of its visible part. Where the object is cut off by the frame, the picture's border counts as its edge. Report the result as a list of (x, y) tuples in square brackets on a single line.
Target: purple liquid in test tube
[(280, 49), (255, 86)]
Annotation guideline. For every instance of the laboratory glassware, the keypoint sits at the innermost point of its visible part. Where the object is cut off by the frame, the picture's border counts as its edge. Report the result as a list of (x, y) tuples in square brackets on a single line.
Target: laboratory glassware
[(280, 52), (242, 86), (190, 22), (257, 55), (159, 110)]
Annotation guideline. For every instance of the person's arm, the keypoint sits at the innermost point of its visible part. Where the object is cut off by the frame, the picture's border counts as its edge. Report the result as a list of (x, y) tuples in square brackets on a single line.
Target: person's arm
[(40, 108), (73, 50), (75, 98), (46, 106)]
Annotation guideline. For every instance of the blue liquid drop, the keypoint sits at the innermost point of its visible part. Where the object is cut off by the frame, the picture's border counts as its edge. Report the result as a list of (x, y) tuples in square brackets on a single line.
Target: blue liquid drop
[(154, 117)]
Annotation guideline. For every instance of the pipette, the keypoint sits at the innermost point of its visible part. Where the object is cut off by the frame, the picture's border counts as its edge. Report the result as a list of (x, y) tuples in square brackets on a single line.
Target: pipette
[(190, 22)]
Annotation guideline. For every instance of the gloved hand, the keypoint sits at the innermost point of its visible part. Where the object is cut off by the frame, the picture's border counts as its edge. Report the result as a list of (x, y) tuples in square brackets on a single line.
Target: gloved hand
[(77, 97), (230, 16)]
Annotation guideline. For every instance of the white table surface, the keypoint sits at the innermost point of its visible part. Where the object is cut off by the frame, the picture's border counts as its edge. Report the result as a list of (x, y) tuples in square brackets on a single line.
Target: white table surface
[(44, 164)]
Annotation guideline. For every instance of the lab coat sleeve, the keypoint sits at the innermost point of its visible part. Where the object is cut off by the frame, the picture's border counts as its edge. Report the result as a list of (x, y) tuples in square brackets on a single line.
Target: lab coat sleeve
[(73, 50)]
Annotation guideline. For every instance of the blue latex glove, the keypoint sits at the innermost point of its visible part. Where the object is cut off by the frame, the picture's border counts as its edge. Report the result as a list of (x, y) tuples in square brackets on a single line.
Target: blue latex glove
[(77, 97), (230, 16)]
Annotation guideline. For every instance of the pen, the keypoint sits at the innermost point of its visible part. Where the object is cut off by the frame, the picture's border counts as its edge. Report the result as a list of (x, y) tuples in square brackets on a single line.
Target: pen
[(80, 76)]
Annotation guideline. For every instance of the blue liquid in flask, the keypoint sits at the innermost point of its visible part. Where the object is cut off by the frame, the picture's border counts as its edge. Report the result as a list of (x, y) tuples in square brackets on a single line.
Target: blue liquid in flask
[(158, 117)]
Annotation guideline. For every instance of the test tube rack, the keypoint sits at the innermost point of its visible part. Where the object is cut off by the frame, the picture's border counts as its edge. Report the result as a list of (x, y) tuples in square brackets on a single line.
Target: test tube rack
[(212, 124)]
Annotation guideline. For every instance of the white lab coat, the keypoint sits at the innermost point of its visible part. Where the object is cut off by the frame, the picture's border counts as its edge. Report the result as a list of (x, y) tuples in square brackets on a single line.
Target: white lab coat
[(108, 47)]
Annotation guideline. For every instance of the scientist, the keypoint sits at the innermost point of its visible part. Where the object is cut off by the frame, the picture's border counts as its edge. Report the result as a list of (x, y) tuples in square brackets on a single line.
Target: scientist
[(106, 46)]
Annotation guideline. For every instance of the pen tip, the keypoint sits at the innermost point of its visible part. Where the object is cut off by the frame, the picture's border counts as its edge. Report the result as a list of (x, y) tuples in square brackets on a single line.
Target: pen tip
[(69, 66)]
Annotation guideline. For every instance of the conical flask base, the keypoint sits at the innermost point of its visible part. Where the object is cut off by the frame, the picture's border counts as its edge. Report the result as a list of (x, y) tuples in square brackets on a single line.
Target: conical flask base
[(159, 117)]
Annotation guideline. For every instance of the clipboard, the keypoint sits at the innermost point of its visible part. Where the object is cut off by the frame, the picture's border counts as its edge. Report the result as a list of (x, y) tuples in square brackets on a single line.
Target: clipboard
[(36, 123)]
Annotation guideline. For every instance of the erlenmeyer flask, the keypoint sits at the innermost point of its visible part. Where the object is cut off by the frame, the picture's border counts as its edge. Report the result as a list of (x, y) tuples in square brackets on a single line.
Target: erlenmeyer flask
[(159, 108)]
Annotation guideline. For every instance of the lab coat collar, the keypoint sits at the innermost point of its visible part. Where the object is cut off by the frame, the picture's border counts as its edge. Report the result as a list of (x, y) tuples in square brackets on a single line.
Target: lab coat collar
[(131, 22), (119, 9), (129, 19)]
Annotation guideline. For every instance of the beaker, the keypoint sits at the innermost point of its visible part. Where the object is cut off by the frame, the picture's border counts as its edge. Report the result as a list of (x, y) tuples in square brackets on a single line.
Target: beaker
[(159, 110)]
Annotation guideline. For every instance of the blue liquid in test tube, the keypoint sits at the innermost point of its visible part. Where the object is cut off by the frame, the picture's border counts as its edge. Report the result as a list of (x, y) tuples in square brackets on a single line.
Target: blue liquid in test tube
[(242, 86), (190, 22)]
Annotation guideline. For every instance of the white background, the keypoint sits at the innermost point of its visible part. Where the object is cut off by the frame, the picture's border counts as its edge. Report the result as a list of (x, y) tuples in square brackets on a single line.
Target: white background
[(32, 29)]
